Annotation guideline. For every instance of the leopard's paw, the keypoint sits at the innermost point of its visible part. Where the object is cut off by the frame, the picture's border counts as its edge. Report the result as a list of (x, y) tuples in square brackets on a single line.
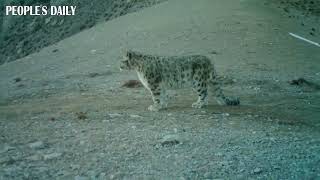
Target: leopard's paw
[(154, 107), (198, 105)]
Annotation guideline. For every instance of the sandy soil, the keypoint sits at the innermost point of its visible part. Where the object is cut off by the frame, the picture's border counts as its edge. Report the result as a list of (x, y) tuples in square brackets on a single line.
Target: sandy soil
[(64, 114)]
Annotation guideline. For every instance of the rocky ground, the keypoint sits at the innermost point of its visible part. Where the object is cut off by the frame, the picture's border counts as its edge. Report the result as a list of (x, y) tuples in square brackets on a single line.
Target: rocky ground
[(305, 12), (23, 35), (65, 113)]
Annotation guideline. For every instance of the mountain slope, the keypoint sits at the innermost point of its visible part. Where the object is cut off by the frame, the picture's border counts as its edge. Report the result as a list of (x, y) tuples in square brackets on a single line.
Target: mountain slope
[(64, 114)]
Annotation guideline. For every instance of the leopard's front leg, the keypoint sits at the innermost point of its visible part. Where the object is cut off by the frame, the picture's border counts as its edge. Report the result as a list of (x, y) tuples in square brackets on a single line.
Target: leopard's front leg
[(155, 91)]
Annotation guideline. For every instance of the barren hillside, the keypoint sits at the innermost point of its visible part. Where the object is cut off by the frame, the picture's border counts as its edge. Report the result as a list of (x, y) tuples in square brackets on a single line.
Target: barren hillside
[(23, 35), (65, 115)]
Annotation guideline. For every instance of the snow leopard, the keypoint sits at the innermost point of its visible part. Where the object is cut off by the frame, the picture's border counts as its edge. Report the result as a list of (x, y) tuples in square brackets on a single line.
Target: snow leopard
[(161, 73)]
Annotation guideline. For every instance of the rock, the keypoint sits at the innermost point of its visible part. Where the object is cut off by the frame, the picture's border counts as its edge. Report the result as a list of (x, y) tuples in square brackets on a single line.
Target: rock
[(6, 148), (81, 115), (225, 114), (52, 156), (170, 140), (92, 174), (34, 158), (17, 79), (54, 22), (102, 176), (47, 20), (93, 74), (135, 116), (257, 170), (113, 115), (37, 145), (19, 51), (213, 52), (207, 175), (75, 166), (80, 178), (61, 22)]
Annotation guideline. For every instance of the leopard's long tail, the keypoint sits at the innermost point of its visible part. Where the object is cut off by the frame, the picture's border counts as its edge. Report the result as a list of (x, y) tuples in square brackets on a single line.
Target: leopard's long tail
[(218, 93)]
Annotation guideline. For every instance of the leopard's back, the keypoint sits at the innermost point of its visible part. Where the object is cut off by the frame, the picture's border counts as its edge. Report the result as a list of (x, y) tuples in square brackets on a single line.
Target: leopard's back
[(178, 72)]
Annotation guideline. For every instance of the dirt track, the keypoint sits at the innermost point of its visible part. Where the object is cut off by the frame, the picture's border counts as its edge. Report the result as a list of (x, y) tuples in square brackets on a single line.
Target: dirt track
[(64, 114)]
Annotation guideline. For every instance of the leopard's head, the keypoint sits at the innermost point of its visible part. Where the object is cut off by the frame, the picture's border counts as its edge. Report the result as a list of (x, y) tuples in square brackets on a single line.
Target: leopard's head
[(127, 63)]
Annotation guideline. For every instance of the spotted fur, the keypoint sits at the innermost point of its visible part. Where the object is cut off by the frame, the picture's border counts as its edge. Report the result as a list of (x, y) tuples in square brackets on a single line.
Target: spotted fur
[(160, 73)]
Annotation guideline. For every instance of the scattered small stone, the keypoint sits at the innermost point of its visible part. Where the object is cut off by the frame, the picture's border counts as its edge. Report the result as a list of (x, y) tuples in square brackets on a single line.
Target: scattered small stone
[(54, 22), (135, 116), (170, 140), (52, 156), (207, 175), (6, 148), (34, 158), (81, 115), (256, 88), (52, 119), (55, 50), (276, 167), (80, 178), (47, 20), (37, 145), (82, 142), (213, 52), (114, 115), (257, 170), (132, 84), (19, 51), (61, 22), (225, 114), (92, 75), (102, 176), (17, 79), (92, 174), (75, 166)]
